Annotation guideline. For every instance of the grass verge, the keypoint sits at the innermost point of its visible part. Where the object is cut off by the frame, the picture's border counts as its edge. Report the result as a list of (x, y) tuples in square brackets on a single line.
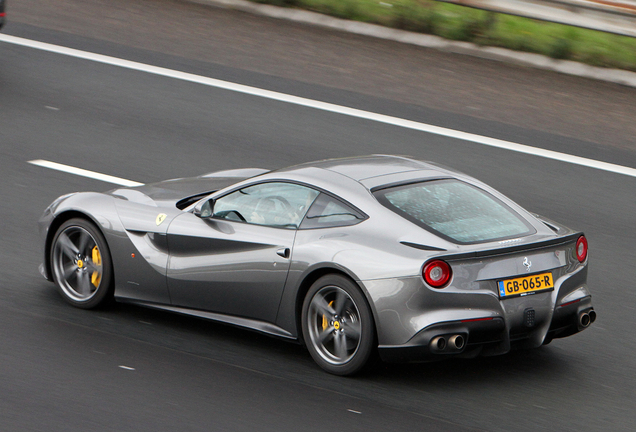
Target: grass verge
[(483, 28)]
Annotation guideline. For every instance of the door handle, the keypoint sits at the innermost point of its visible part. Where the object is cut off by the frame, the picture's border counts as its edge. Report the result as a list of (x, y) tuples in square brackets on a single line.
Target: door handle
[(284, 252)]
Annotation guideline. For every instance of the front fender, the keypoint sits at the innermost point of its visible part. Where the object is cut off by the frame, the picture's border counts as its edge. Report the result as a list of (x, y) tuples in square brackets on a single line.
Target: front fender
[(96, 207), (134, 276)]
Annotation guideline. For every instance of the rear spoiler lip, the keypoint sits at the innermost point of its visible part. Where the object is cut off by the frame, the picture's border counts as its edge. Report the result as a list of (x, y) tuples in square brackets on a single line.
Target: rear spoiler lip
[(512, 249)]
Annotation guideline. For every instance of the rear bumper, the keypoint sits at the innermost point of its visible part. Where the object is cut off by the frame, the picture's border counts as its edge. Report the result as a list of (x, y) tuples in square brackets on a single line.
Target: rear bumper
[(490, 336), (422, 348)]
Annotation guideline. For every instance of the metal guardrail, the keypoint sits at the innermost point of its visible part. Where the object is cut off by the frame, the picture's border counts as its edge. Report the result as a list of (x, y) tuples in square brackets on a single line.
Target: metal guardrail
[(612, 16)]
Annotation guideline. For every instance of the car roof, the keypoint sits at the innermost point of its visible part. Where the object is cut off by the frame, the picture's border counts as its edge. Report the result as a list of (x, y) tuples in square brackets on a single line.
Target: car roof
[(374, 170), (360, 168)]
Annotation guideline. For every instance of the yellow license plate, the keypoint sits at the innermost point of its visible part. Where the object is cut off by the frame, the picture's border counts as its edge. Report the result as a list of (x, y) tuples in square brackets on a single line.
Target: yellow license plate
[(525, 285)]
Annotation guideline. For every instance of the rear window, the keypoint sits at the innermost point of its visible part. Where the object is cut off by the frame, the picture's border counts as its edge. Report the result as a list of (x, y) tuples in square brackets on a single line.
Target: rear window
[(455, 210)]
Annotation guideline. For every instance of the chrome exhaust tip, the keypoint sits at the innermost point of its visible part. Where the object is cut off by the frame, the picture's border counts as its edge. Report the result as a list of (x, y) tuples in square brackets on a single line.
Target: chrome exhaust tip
[(584, 320), (592, 315), (456, 342), (438, 343)]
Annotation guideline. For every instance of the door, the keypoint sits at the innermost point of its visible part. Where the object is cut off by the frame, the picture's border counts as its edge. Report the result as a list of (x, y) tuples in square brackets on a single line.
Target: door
[(234, 259)]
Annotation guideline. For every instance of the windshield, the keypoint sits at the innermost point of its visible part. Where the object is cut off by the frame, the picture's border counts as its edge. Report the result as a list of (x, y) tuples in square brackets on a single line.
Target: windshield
[(456, 210)]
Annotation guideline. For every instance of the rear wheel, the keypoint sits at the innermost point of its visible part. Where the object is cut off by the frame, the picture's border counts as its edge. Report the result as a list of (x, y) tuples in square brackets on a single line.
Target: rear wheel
[(337, 325), (81, 264)]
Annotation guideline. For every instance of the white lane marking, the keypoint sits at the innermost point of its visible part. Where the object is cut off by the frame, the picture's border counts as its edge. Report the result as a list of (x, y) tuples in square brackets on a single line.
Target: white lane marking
[(126, 367), (324, 106), (354, 411), (84, 173)]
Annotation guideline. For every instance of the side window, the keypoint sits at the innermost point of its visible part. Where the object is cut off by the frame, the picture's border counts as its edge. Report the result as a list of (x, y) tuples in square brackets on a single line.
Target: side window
[(274, 204), (331, 212)]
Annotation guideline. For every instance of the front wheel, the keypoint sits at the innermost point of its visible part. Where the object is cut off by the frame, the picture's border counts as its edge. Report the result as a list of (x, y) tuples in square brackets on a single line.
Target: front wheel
[(337, 325), (81, 264)]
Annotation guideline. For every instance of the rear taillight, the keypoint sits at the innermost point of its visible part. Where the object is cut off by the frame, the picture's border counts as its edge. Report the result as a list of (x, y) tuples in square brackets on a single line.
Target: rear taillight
[(581, 249), (437, 273)]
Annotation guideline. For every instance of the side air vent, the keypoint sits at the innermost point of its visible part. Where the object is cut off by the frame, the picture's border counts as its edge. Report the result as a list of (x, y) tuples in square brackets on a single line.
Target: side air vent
[(421, 247), (552, 227)]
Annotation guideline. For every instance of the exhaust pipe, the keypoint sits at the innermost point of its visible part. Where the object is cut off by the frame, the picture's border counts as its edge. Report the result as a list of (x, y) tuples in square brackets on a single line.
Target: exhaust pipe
[(438, 343), (456, 342), (592, 315), (584, 320)]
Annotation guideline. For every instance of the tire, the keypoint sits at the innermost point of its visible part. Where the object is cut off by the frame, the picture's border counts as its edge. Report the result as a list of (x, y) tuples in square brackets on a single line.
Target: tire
[(81, 264), (338, 326)]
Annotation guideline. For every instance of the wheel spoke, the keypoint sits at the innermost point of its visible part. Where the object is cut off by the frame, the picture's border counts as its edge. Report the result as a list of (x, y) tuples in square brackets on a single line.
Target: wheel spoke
[(339, 302), (326, 335), (68, 270), (352, 330), (340, 346), (67, 246), (83, 241), (84, 284), (91, 266), (322, 307)]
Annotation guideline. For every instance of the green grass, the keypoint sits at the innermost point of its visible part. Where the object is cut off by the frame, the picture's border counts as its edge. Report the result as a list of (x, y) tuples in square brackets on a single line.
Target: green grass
[(483, 28)]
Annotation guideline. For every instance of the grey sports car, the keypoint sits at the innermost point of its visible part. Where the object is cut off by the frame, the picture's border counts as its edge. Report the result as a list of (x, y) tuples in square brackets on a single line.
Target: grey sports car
[(352, 257)]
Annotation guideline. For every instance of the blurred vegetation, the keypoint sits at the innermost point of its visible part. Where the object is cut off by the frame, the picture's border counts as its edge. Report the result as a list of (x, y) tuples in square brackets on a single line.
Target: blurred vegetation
[(482, 28)]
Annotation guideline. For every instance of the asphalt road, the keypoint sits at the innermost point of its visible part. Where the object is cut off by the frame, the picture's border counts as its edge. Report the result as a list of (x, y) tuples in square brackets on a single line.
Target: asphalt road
[(128, 368)]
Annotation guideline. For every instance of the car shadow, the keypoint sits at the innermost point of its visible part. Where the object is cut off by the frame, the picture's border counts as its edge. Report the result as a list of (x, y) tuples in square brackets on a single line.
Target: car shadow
[(253, 350), (271, 352)]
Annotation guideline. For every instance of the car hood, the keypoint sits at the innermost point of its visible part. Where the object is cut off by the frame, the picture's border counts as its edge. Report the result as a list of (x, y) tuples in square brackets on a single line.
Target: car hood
[(170, 192)]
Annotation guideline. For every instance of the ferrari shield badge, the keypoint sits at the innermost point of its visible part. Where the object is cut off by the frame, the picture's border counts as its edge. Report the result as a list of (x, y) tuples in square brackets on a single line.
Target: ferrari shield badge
[(160, 218)]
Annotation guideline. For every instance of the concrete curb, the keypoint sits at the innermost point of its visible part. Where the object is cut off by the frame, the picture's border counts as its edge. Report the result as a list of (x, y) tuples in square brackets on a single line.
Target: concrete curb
[(537, 61)]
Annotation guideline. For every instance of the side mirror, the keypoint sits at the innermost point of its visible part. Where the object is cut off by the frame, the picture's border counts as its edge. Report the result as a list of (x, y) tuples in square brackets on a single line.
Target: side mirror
[(205, 209)]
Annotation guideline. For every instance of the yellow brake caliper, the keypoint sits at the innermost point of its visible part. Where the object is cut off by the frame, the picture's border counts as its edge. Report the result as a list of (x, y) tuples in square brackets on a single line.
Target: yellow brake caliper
[(325, 322), (96, 277)]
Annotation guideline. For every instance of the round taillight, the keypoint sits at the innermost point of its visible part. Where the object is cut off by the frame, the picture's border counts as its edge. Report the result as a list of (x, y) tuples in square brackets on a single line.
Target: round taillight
[(437, 273), (581, 249)]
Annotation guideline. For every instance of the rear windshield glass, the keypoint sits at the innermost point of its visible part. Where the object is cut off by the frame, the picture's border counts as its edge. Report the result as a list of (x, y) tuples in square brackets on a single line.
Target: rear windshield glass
[(455, 210)]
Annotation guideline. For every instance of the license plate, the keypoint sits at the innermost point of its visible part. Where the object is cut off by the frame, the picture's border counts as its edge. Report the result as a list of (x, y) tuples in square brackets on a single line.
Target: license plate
[(525, 285)]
